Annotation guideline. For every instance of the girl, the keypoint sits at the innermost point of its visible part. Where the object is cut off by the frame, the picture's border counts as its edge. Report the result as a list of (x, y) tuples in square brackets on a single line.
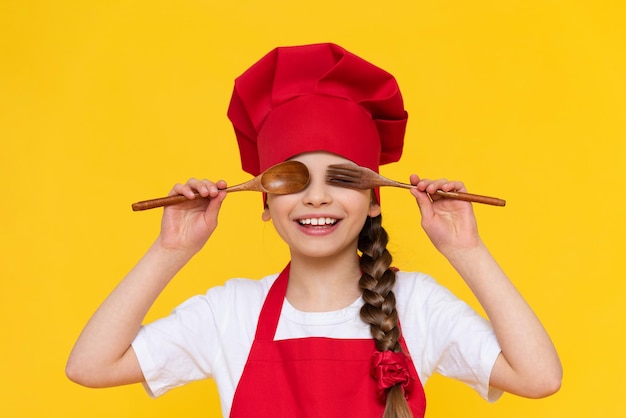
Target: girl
[(339, 332)]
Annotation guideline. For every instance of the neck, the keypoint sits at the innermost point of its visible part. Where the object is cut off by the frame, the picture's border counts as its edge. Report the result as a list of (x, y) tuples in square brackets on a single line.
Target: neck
[(322, 285)]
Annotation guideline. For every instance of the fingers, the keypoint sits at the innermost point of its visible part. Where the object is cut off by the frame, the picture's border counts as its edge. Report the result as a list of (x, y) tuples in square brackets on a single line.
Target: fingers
[(430, 187), (204, 188), (425, 193), (420, 195)]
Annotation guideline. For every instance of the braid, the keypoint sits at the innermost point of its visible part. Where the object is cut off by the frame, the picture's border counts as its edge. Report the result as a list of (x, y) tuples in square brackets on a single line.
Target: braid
[(379, 308), (377, 282)]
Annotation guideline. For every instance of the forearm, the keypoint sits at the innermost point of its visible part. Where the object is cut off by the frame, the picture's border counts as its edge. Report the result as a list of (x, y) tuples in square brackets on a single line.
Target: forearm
[(101, 354), (529, 365)]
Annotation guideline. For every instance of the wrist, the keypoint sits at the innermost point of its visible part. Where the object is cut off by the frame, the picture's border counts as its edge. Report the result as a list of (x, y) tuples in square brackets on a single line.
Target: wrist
[(466, 254), (169, 255), (476, 266)]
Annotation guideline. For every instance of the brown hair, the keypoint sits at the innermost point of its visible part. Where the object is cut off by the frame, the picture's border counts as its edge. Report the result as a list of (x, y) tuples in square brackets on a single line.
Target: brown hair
[(379, 308)]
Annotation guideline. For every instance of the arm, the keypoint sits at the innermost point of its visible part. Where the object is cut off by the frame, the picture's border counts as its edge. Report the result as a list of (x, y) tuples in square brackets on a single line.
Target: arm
[(528, 365), (102, 355)]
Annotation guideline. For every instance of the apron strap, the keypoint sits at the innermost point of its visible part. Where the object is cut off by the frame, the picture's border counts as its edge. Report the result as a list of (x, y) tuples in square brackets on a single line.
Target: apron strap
[(270, 313)]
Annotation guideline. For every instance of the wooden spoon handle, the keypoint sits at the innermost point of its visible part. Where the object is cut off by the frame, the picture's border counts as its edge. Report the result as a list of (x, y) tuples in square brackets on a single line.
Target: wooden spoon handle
[(161, 201), (469, 197)]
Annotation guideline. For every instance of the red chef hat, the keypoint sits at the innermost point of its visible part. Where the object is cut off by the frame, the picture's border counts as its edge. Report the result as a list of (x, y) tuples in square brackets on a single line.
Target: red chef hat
[(316, 98)]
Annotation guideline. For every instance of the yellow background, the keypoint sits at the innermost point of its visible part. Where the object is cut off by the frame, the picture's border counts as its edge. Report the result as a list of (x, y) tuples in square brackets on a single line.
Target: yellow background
[(103, 103)]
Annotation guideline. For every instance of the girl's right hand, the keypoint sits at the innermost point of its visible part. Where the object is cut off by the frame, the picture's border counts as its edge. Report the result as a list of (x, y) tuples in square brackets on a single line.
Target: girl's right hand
[(187, 226)]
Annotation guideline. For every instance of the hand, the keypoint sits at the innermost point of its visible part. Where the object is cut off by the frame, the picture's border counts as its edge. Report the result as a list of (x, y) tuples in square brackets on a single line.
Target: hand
[(449, 223), (187, 226)]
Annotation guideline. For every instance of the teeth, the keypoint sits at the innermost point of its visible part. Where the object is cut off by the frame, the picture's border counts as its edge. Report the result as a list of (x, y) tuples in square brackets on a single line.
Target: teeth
[(317, 221)]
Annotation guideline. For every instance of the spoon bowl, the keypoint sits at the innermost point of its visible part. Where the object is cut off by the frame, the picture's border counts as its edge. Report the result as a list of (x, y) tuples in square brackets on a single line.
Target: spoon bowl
[(283, 178)]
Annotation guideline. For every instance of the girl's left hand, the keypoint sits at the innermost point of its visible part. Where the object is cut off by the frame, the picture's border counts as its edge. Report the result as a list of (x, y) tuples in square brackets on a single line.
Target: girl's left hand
[(449, 223)]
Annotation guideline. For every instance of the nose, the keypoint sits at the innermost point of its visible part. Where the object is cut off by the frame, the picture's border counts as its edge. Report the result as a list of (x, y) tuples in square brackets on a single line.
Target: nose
[(317, 193)]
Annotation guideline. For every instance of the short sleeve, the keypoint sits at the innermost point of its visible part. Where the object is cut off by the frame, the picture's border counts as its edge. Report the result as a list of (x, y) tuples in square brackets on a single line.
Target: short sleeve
[(207, 336), (184, 345), (445, 335)]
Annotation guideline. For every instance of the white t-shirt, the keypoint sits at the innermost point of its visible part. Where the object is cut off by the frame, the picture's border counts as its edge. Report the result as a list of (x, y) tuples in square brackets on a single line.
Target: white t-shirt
[(210, 336)]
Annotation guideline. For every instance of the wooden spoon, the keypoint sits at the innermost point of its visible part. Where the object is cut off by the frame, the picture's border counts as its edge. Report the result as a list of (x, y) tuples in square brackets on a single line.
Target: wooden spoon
[(284, 178)]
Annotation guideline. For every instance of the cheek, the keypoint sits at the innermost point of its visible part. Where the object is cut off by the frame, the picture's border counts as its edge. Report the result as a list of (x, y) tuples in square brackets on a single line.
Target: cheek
[(360, 200), (277, 209)]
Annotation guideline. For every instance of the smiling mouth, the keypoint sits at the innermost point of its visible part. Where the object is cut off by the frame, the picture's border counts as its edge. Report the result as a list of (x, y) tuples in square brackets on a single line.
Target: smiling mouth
[(317, 221)]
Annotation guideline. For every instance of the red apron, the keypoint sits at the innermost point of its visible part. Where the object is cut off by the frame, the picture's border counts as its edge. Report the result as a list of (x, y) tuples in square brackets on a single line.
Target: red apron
[(310, 377)]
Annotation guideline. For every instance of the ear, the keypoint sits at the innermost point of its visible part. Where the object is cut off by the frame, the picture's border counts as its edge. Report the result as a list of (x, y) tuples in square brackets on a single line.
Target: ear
[(266, 216), (374, 209)]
